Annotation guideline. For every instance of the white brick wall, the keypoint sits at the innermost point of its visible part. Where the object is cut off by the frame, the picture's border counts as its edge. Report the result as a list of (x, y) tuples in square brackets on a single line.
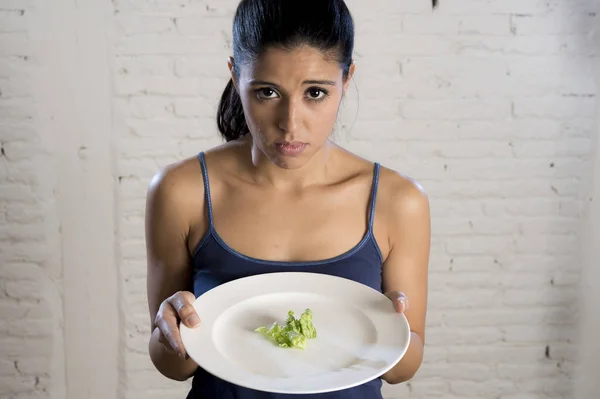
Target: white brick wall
[(30, 305), (490, 104)]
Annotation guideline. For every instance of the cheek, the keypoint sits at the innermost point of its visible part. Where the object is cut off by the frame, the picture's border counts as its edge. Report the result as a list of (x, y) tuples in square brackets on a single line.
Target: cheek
[(256, 116), (322, 117)]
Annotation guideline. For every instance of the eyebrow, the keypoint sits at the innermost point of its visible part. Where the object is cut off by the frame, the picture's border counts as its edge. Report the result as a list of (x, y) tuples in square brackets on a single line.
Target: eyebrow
[(306, 82)]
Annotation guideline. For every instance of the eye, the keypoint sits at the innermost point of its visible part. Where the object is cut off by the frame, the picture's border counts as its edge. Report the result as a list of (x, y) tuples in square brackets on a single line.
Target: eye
[(266, 93), (316, 94)]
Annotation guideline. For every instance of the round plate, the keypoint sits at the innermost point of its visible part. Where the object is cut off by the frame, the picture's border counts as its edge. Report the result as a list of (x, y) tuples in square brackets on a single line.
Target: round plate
[(359, 335)]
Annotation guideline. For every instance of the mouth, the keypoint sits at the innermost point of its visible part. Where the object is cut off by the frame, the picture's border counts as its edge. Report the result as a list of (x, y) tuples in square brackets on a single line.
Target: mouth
[(290, 148)]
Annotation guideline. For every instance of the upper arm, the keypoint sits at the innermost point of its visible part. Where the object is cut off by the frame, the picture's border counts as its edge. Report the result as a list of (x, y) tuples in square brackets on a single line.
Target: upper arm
[(166, 229), (406, 267)]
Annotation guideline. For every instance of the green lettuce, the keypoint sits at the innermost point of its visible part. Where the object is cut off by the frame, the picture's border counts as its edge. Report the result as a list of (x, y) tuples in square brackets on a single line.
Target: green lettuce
[(294, 333)]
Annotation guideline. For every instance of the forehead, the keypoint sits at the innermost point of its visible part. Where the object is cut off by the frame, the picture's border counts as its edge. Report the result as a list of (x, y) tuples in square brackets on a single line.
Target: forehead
[(300, 63)]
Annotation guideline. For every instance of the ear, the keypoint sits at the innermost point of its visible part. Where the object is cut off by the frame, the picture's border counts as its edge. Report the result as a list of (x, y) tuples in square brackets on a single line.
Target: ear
[(231, 66), (350, 74)]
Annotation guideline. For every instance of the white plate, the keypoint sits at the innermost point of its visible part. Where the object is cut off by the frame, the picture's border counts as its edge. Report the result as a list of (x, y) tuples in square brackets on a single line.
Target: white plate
[(359, 335)]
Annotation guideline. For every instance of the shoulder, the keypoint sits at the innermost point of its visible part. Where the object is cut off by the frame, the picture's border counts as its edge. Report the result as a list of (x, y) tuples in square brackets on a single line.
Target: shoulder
[(181, 184), (173, 181), (401, 198)]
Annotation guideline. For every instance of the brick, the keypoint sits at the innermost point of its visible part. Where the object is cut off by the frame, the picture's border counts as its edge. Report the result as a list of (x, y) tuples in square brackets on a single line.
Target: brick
[(15, 346), (552, 226), (218, 28), (463, 371), (31, 328), (32, 365), (545, 296), (131, 24), (11, 309), (558, 244), (475, 7), (24, 289), (21, 271), (19, 384), (13, 88), (15, 44), (475, 389), (552, 24), (503, 353), (478, 245), (521, 207), (570, 76), (193, 108), (405, 45), (16, 5), (14, 71), (568, 147), (467, 77), (16, 130), (19, 214), (145, 66), (564, 45), (478, 226), (456, 110), (202, 67), (161, 86), (431, 387), (7, 368), (539, 333), (555, 107), (13, 21), (15, 109), (177, 129), (170, 45), (440, 24), (524, 372)]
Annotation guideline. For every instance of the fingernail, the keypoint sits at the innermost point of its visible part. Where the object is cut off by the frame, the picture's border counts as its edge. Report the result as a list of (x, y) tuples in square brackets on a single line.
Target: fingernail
[(182, 355), (404, 302), (193, 320)]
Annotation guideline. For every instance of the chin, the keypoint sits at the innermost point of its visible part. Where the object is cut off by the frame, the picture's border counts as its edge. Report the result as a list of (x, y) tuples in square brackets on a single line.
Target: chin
[(289, 163)]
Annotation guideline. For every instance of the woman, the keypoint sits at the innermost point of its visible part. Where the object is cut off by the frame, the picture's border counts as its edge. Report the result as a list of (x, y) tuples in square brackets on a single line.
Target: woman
[(279, 196)]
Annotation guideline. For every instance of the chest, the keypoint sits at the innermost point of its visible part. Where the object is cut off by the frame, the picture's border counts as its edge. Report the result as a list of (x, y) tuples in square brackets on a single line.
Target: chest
[(316, 224)]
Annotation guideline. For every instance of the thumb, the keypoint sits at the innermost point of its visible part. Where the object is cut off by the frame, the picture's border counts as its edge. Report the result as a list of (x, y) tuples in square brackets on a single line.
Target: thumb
[(399, 299)]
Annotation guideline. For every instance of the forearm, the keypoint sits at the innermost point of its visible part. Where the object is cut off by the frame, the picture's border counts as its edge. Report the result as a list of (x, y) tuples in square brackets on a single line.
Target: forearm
[(407, 367), (169, 364)]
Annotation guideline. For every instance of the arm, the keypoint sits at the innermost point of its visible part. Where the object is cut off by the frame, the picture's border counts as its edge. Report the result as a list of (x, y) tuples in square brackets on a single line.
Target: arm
[(168, 272), (406, 268)]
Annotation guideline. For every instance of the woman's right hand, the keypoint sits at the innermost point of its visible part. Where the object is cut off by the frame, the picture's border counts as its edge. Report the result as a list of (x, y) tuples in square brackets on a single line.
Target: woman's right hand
[(178, 308)]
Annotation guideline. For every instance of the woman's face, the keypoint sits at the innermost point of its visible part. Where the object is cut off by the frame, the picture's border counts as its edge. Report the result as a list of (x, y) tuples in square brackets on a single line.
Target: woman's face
[(291, 100)]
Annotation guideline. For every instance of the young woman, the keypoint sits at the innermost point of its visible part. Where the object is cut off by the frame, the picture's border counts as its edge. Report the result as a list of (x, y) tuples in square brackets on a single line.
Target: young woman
[(280, 196)]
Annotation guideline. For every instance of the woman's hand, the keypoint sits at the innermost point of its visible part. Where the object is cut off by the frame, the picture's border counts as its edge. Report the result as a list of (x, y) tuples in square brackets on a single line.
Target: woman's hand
[(176, 309), (399, 299)]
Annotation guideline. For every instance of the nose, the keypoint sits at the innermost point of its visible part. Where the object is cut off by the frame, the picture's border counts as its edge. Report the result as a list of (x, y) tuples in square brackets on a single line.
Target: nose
[(288, 116)]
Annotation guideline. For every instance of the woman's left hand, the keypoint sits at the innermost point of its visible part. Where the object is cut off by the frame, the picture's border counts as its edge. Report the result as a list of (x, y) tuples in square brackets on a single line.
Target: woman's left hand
[(399, 299)]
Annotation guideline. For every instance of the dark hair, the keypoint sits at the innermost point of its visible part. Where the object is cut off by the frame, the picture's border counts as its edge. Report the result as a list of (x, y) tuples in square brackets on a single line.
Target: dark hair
[(258, 24)]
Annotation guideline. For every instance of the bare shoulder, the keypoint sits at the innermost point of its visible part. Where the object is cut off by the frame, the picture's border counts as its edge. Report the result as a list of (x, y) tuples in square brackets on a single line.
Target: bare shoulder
[(175, 181), (183, 180), (402, 198)]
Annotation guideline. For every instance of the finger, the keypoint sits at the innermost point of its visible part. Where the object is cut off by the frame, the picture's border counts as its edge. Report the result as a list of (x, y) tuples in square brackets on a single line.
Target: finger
[(170, 331), (400, 301), (165, 343), (185, 309)]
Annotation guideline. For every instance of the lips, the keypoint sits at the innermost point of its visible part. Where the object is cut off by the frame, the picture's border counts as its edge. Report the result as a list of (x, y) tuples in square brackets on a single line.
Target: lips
[(291, 148)]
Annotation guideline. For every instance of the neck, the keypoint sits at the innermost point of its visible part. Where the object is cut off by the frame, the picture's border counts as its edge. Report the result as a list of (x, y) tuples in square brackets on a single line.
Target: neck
[(315, 171)]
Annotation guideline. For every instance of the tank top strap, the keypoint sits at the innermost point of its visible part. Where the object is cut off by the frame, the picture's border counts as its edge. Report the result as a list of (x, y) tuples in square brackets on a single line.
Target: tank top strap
[(206, 188), (373, 195)]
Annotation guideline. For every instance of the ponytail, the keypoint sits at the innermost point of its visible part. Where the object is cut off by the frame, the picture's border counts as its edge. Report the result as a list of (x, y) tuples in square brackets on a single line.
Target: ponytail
[(231, 120)]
